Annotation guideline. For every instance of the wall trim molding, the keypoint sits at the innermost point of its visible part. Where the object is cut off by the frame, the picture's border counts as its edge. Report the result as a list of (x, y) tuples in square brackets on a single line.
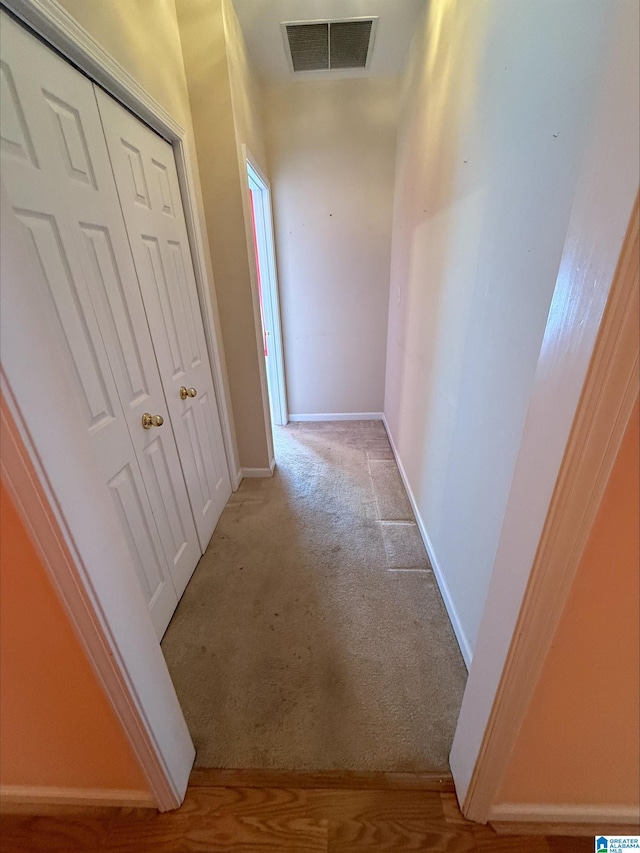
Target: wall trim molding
[(562, 819), (59, 29), (254, 473), (607, 398), (338, 416), (454, 618), (14, 798)]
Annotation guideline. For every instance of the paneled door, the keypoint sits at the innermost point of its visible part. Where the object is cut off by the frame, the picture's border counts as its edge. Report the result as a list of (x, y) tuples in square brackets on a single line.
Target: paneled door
[(145, 173), (56, 170)]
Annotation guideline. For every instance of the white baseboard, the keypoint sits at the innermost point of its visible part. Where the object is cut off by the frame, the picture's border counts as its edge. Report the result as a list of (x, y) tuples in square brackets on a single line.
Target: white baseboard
[(339, 416), (18, 797), (252, 473), (454, 618), (563, 819), (237, 479)]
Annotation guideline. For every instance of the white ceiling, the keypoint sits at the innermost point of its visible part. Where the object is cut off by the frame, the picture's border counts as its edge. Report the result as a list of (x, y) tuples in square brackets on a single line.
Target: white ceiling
[(261, 24)]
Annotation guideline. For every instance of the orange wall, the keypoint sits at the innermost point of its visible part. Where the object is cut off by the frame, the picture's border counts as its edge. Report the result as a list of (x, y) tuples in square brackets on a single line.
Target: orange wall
[(580, 741), (56, 726)]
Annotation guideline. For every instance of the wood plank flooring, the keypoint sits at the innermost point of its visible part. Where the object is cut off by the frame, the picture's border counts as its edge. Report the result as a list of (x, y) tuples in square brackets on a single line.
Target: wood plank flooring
[(246, 818), (355, 780)]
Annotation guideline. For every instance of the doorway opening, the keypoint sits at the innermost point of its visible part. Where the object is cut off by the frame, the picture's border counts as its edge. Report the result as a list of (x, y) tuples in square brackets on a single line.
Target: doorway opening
[(263, 240)]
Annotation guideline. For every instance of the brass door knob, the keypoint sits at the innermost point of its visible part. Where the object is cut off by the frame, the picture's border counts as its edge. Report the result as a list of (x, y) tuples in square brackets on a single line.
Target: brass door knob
[(187, 392), (149, 421)]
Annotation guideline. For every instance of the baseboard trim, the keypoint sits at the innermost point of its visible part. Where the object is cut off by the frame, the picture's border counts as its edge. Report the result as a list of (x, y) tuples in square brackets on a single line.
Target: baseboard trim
[(461, 637), (252, 473), (563, 819), (204, 777), (338, 416), (21, 798)]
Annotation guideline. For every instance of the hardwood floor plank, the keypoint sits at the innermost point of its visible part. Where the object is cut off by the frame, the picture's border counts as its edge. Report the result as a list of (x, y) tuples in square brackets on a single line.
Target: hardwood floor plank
[(377, 805), (267, 819), (21, 834), (488, 841), (566, 844), (225, 819), (353, 836), (225, 834), (451, 811), (209, 820), (351, 780)]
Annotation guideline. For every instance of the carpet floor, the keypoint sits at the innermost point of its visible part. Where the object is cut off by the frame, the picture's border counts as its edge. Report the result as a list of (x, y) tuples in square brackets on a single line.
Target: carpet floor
[(312, 634)]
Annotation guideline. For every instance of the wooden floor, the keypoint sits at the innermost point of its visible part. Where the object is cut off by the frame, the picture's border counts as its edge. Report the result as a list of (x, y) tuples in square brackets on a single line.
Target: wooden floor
[(256, 816)]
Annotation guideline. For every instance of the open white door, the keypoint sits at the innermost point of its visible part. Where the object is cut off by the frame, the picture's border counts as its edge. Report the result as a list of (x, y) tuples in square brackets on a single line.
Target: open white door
[(260, 194)]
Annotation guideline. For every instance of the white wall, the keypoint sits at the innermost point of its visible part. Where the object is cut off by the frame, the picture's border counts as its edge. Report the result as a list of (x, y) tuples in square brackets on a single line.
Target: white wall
[(606, 189), (331, 148), (497, 99)]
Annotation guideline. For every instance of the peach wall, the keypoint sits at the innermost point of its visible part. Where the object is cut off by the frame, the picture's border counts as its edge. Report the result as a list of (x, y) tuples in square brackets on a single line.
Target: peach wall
[(56, 725), (580, 740)]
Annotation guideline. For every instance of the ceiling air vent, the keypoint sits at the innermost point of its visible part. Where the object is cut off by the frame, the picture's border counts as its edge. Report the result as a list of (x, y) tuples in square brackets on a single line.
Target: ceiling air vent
[(330, 45)]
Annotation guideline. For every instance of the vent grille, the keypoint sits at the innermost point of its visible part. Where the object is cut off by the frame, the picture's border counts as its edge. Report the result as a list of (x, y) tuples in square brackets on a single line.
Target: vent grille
[(350, 44), (327, 45), (309, 46)]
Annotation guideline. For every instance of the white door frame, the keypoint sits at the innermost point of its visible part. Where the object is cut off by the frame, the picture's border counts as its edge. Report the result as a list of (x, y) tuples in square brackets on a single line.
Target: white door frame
[(526, 602), (47, 462), (265, 248)]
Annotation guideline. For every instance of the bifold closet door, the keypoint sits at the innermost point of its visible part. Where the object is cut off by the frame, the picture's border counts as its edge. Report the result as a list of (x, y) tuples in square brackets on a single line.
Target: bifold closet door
[(147, 180), (56, 170)]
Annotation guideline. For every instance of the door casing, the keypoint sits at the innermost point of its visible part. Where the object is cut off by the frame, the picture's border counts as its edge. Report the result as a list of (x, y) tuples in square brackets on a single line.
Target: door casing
[(265, 249)]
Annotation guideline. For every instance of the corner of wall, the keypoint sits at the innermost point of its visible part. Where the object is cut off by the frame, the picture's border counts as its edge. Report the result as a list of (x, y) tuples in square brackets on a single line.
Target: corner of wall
[(216, 95)]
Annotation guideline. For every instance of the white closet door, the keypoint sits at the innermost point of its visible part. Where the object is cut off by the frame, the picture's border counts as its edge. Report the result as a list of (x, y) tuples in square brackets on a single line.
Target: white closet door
[(58, 177), (147, 180)]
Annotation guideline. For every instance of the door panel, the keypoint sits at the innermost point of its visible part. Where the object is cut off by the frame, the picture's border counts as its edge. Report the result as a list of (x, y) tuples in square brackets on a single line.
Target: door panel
[(71, 140), (147, 181), (73, 310), (143, 544), (57, 175), (159, 477), (104, 268), (155, 273)]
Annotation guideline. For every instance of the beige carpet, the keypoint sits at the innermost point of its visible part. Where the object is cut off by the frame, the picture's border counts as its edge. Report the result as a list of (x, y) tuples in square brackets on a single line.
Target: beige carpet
[(312, 634)]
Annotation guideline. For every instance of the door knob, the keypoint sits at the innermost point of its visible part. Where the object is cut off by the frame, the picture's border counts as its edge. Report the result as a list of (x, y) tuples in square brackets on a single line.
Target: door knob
[(149, 421), (187, 392)]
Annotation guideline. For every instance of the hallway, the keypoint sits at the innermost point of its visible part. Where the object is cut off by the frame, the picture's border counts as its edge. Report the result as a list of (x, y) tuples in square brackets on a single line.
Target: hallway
[(312, 634)]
